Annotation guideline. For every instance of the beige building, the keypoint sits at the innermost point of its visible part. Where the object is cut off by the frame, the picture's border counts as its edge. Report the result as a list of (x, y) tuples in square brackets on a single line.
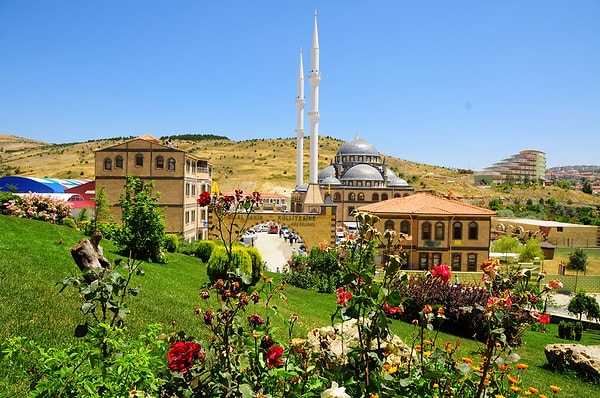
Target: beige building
[(527, 166), (559, 234), (443, 230), (179, 176)]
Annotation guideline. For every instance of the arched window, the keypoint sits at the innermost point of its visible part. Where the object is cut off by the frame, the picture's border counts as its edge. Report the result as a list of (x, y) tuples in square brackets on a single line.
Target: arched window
[(171, 164), (375, 197), (119, 162), (108, 164), (457, 230), (160, 162), (389, 224), (405, 227), (139, 160), (396, 195), (337, 197), (361, 197), (473, 230), (384, 196), (351, 196), (439, 231), (426, 230)]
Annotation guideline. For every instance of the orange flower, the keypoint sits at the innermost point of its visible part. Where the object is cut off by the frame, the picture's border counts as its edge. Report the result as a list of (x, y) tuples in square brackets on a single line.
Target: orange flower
[(522, 366), (513, 379), (534, 390), (555, 389), (515, 388), (542, 396), (555, 284)]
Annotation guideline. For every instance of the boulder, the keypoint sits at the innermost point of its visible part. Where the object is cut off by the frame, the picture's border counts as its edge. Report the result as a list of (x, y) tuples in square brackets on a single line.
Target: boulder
[(584, 360), (337, 340)]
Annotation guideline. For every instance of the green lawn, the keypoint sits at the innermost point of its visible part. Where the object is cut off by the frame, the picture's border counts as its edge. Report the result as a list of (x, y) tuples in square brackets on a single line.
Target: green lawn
[(32, 261)]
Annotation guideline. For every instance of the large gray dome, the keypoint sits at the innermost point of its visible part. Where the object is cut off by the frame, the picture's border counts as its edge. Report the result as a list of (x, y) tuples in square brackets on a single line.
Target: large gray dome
[(357, 146), (362, 172), (328, 171)]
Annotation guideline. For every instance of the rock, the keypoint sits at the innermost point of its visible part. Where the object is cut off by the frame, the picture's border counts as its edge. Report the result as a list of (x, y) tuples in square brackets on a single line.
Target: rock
[(584, 360), (337, 340)]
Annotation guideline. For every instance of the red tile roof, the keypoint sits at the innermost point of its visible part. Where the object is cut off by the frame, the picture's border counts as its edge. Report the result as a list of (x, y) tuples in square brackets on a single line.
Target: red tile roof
[(423, 203)]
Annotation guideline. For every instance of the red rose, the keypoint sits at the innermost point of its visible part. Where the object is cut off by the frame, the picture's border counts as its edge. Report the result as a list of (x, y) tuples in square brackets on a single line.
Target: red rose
[(182, 355), (204, 199), (544, 319), (343, 297), (274, 357), (442, 271)]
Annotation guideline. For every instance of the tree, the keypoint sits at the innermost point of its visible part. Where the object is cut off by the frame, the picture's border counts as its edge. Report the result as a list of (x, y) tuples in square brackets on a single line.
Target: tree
[(578, 260), (587, 187), (506, 244), (584, 304), (531, 250), (142, 231)]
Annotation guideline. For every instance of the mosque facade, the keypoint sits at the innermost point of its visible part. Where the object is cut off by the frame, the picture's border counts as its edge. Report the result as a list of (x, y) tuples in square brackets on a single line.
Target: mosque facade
[(357, 176)]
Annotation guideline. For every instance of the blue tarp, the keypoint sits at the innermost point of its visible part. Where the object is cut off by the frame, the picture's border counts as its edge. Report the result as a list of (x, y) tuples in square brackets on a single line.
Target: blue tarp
[(19, 184)]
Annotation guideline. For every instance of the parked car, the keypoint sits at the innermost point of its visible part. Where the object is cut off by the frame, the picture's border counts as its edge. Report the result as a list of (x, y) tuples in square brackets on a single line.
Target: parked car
[(273, 229)]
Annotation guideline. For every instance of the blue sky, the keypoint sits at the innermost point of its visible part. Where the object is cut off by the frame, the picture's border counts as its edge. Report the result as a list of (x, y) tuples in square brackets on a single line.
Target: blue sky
[(452, 83)]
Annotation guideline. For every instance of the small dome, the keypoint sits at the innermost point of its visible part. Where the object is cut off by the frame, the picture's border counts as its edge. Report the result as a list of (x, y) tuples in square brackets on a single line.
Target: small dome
[(328, 171), (397, 182), (331, 181), (362, 172), (301, 188), (357, 146)]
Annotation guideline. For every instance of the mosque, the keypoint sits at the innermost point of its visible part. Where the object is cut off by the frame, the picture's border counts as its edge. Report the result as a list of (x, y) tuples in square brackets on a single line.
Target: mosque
[(356, 177)]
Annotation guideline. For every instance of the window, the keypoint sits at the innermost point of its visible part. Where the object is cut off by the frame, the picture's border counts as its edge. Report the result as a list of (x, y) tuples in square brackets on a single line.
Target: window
[(375, 197), (426, 230), (351, 196), (439, 231), (361, 197), (559, 229), (108, 164), (188, 165), (473, 230), (171, 164), (471, 262), (139, 160), (193, 189), (187, 217), (384, 196), (187, 189), (436, 259), (350, 210), (405, 227), (337, 197), (160, 162), (423, 260), (456, 258), (193, 215), (457, 230), (119, 162), (389, 224)]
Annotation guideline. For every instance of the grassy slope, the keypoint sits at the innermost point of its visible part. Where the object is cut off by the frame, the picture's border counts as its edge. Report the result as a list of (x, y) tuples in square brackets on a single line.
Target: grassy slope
[(32, 261)]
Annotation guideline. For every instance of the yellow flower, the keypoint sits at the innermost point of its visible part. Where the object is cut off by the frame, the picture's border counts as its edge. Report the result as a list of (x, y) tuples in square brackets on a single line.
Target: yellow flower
[(392, 370), (467, 360), (500, 396), (515, 388), (555, 389), (522, 366), (435, 385)]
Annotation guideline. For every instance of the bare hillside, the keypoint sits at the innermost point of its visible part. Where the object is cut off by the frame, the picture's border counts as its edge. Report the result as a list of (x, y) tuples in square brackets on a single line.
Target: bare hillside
[(264, 165)]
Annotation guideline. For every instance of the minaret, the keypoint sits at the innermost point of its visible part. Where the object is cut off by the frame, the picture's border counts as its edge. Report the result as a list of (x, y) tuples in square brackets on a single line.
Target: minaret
[(314, 78), (300, 101)]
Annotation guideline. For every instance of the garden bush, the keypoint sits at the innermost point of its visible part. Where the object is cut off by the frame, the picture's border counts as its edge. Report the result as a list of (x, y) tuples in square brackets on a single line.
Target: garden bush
[(205, 249), (70, 222), (171, 243), (258, 264), (220, 267)]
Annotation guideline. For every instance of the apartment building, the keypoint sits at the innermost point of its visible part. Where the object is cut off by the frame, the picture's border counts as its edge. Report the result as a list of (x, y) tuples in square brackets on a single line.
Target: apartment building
[(526, 167)]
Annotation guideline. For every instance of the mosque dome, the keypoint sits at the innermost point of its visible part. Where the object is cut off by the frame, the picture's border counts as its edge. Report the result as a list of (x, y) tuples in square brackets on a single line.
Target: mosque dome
[(331, 181), (362, 172), (357, 146), (394, 180), (301, 188), (328, 171)]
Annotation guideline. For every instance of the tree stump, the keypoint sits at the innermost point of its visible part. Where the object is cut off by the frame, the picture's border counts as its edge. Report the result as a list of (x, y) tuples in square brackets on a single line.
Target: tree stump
[(89, 257)]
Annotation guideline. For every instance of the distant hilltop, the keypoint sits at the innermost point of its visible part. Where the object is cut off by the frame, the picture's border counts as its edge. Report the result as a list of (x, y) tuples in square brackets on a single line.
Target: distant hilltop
[(573, 169)]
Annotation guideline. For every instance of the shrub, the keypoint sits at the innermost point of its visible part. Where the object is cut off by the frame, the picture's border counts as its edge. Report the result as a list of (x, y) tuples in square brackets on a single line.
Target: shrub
[(171, 243), (69, 222), (257, 263), (205, 249), (188, 248), (217, 265)]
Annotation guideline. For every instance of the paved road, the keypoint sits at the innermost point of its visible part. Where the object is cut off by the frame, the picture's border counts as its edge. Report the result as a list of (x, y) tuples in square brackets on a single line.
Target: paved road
[(274, 250)]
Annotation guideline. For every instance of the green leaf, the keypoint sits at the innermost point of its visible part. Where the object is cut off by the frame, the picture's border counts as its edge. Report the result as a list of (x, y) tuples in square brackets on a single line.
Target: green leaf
[(246, 391)]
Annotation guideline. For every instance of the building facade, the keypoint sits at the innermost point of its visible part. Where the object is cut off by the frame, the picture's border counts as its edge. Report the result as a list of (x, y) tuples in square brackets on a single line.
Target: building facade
[(525, 167), (442, 230), (178, 176)]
